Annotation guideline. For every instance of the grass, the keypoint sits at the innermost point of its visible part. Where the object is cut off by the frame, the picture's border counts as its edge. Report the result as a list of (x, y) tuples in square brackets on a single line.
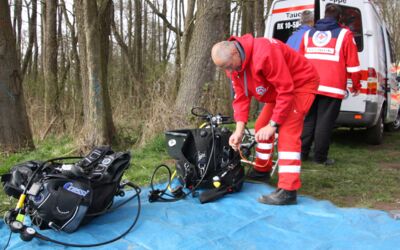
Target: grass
[(51, 148), (144, 161), (363, 176)]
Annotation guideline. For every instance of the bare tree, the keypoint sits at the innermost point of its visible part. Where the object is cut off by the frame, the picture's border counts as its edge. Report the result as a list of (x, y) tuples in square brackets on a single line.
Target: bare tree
[(199, 68), (259, 18), (15, 133), (390, 10), (164, 34), (94, 25), (51, 92), (137, 41), (128, 53), (74, 53), (32, 37), (247, 17), (188, 30), (17, 24)]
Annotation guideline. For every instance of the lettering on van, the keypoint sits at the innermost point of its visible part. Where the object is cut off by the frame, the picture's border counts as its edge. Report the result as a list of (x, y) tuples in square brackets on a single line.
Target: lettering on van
[(336, 1), (288, 25), (293, 15)]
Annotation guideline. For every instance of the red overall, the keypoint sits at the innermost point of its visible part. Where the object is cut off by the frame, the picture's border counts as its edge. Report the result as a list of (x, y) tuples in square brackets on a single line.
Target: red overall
[(286, 82), (289, 143)]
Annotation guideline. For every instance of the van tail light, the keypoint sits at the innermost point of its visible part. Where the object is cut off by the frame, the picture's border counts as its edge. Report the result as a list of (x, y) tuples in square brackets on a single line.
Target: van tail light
[(358, 117), (372, 88), (372, 84)]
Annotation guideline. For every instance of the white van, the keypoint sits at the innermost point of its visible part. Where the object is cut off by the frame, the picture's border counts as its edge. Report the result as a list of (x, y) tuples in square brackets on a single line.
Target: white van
[(377, 106)]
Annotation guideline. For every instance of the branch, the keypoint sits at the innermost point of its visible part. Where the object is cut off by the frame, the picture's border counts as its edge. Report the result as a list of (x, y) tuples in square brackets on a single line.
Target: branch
[(124, 48), (28, 54), (64, 11), (43, 136), (119, 39), (164, 18)]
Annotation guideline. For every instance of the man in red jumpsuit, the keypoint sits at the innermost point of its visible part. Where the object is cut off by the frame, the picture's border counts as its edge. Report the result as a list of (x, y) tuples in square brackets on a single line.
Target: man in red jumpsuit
[(332, 49), (286, 82)]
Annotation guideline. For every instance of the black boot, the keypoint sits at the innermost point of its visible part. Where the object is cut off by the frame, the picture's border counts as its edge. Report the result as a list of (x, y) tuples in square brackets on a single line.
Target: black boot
[(280, 197), (304, 157), (257, 176), (327, 162)]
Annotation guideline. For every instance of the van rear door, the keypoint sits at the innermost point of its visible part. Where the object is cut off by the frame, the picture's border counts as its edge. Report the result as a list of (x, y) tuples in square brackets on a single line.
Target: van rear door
[(392, 91), (284, 17)]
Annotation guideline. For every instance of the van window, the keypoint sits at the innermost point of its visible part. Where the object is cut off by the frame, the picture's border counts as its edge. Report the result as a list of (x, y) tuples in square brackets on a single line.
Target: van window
[(392, 55), (284, 29), (383, 50), (351, 17)]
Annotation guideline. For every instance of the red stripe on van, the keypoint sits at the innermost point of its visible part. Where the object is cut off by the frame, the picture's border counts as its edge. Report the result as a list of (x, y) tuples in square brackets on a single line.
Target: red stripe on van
[(302, 7)]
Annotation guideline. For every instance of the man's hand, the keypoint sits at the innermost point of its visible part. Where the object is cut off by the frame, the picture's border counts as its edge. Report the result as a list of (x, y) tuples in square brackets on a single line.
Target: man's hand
[(265, 133), (237, 136), (235, 140)]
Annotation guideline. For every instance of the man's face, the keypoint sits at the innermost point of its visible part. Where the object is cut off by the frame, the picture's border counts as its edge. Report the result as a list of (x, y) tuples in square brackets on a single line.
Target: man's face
[(235, 64)]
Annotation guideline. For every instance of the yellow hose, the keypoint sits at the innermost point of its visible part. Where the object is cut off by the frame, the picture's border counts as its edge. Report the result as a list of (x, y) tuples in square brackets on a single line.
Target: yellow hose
[(172, 177), (203, 125)]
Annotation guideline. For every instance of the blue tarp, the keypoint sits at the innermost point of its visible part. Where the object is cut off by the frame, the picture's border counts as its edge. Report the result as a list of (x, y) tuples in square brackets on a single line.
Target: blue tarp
[(236, 221)]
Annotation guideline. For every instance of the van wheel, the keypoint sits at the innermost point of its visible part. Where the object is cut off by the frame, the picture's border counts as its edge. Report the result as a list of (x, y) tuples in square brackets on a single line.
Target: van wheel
[(394, 126), (375, 133)]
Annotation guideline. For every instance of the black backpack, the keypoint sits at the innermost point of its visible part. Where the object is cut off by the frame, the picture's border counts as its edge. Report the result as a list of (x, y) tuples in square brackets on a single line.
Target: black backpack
[(203, 156), (63, 196)]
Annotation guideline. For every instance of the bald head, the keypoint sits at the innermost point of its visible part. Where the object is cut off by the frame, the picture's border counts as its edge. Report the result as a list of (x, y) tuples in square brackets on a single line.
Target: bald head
[(225, 55)]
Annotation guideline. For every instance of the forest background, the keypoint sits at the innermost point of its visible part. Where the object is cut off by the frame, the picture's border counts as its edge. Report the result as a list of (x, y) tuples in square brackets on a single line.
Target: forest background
[(105, 71), (87, 72)]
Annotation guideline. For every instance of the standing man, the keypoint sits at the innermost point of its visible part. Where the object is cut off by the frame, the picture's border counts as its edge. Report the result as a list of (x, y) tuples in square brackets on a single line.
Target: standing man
[(333, 51), (286, 82), (306, 23)]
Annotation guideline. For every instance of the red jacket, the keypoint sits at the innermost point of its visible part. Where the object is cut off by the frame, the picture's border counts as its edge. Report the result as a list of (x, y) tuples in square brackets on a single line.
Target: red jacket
[(274, 73), (333, 52)]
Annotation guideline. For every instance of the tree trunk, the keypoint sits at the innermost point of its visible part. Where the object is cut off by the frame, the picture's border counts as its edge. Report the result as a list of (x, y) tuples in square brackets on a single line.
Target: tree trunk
[(52, 107), (178, 48), (234, 17), (78, 5), (159, 39), (259, 18), (188, 30), (199, 68), (389, 10), (104, 17), (247, 17), (145, 32), (32, 37), (239, 18), (164, 35), (123, 69), (137, 42), (77, 88), (42, 35), (93, 41), (35, 64), (17, 23), (15, 133)]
